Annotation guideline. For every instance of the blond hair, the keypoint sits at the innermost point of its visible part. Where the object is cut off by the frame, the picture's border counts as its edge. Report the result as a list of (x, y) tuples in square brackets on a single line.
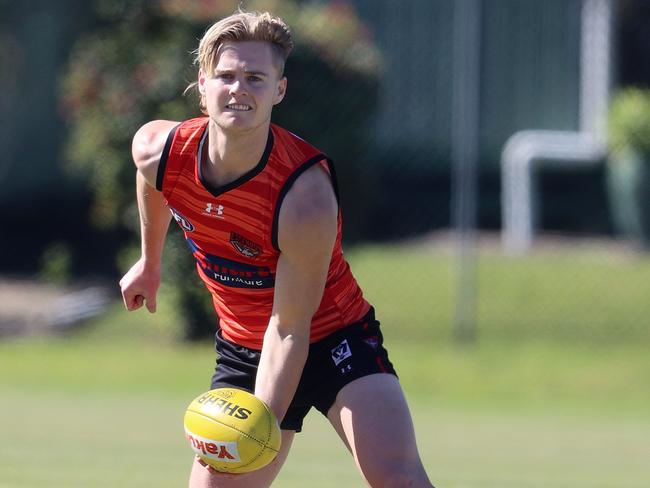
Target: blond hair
[(243, 26)]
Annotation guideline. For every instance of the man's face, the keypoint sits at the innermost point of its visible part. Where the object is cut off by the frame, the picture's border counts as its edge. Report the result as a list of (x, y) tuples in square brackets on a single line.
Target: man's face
[(244, 87)]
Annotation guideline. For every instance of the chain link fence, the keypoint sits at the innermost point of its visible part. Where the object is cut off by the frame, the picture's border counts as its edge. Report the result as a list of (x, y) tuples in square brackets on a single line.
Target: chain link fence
[(582, 280)]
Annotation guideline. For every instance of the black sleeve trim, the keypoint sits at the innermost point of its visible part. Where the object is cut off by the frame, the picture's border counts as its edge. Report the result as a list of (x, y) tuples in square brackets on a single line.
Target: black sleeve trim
[(163, 158), (289, 183)]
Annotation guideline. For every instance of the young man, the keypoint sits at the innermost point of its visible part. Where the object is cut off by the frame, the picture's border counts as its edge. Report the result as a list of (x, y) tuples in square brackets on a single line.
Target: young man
[(259, 210)]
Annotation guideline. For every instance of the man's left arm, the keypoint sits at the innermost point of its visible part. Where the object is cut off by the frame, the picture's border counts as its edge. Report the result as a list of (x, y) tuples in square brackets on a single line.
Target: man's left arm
[(307, 229)]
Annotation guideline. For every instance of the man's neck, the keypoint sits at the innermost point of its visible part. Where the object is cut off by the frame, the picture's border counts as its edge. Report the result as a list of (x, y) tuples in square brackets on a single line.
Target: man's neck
[(231, 155)]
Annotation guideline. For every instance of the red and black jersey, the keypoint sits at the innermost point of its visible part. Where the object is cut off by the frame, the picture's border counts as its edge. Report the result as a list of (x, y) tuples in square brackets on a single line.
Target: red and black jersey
[(233, 232)]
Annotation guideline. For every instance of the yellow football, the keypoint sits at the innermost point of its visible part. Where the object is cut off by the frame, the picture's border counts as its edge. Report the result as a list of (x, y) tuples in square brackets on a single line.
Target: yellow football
[(232, 430)]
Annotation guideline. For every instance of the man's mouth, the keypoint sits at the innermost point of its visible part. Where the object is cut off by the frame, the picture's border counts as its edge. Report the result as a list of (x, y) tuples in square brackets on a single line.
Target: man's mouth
[(239, 107)]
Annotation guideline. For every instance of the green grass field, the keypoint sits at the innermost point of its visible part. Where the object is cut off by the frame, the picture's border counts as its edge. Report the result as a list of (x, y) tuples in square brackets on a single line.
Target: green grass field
[(556, 392)]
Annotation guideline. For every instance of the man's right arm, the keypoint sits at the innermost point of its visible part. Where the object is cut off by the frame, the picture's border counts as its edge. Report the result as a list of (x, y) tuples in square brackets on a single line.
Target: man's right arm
[(140, 284)]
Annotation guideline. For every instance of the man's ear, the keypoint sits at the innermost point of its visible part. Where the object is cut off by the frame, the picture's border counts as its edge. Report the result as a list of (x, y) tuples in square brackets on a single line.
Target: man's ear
[(282, 90), (201, 82)]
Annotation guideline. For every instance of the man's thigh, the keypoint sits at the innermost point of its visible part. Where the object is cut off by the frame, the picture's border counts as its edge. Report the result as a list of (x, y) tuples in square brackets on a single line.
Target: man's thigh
[(372, 417)]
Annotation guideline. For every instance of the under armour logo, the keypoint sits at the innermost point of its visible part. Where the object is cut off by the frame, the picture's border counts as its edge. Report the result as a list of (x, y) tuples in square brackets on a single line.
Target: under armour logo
[(210, 209)]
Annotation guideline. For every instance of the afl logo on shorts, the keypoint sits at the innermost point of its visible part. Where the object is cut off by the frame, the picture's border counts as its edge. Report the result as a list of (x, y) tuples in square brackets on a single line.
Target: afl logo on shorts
[(341, 352), (182, 221)]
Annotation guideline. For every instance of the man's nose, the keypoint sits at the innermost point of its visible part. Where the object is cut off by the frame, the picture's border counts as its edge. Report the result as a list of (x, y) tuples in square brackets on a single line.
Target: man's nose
[(237, 87)]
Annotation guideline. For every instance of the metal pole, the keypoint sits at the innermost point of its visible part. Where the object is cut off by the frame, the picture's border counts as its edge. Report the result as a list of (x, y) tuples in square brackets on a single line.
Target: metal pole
[(595, 65), (465, 127)]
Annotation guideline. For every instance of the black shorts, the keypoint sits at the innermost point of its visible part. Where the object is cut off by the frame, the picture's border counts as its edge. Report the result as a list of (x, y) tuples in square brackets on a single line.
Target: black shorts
[(333, 362)]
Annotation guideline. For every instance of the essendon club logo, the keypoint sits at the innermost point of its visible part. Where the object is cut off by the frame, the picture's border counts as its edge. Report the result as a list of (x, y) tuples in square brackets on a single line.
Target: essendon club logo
[(246, 247)]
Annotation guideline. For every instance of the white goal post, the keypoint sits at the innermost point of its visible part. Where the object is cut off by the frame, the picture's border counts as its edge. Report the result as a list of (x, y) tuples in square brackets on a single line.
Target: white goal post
[(584, 147)]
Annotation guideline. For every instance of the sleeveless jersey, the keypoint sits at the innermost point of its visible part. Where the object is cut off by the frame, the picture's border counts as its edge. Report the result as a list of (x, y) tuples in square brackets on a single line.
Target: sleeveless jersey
[(232, 232)]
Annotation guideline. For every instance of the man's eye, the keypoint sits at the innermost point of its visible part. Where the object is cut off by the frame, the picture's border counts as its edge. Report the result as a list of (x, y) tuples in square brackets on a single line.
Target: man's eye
[(254, 78), (225, 76)]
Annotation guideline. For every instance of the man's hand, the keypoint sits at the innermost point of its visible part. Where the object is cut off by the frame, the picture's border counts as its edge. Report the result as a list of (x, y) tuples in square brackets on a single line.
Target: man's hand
[(139, 286), (214, 472)]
